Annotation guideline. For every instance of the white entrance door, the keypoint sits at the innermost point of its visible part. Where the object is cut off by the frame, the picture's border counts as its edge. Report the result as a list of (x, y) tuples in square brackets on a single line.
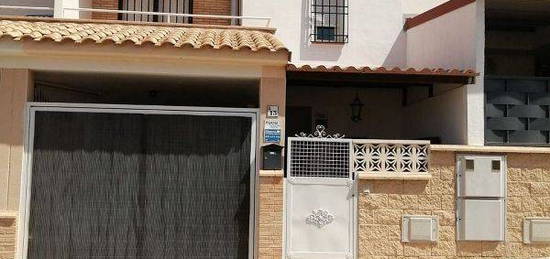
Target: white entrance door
[(320, 199)]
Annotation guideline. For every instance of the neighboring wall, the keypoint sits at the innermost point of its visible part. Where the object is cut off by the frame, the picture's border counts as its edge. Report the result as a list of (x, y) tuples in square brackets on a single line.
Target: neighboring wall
[(376, 36), (455, 40), (380, 211)]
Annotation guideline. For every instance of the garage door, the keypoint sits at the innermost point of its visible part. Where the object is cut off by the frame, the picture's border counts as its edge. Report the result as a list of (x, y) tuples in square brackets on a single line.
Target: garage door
[(109, 184)]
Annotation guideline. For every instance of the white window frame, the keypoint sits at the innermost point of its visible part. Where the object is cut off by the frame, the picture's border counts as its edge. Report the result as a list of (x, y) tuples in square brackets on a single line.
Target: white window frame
[(33, 107)]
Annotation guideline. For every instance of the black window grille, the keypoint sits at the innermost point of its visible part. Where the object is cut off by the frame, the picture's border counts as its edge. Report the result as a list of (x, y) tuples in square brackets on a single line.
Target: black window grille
[(158, 6), (329, 21)]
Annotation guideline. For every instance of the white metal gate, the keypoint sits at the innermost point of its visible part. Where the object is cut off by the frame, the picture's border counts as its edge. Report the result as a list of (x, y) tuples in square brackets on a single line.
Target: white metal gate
[(320, 198)]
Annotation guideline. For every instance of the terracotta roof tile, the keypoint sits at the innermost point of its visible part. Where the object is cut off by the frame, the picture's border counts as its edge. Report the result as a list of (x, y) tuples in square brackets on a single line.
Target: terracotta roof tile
[(140, 34), (382, 70)]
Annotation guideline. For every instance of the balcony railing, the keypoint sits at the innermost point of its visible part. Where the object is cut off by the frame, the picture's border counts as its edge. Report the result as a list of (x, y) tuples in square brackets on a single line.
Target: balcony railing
[(170, 16), (73, 12), (28, 10)]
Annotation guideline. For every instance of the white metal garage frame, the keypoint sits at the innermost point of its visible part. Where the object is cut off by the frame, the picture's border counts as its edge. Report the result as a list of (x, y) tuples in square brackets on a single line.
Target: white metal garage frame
[(33, 107)]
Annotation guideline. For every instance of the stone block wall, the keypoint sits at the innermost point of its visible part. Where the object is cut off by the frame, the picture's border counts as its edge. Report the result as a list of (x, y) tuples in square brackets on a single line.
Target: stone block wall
[(380, 211), (8, 232), (270, 240)]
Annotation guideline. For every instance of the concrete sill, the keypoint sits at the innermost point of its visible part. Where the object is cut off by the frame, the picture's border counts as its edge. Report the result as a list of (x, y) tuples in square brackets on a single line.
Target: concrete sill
[(490, 149), (272, 173), (394, 176), (8, 214)]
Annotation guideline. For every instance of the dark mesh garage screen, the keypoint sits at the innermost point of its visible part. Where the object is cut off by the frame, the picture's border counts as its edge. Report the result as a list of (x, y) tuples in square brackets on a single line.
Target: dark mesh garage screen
[(139, 186)]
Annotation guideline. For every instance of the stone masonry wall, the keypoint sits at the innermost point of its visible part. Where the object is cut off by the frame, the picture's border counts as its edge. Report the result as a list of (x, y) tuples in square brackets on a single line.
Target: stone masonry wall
[(270, 241), (7, 237), (380, 211)]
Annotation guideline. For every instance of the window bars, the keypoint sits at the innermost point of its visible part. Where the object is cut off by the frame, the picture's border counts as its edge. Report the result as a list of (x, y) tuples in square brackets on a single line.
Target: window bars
[(161, 6), (329, 21)]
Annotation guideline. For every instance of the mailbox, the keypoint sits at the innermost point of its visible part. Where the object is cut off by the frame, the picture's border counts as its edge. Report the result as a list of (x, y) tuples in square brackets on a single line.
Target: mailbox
[(272, 157)]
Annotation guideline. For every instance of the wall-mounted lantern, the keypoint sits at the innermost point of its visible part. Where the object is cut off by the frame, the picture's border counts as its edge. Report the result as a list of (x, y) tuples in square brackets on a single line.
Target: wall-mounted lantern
[(356, 107)]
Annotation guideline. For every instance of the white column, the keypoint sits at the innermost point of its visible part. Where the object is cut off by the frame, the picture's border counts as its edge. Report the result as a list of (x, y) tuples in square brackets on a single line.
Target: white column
[(475, 92), (60, 10)]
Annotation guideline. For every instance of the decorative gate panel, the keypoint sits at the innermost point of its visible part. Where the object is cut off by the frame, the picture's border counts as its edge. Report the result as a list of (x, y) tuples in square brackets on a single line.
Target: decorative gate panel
[(319, 199)]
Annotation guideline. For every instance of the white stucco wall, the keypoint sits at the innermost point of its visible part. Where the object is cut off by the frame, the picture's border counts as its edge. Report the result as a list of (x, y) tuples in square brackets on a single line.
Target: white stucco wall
[(376, 36), (414, 7), (455, 40), (447, 41), (437, 117)]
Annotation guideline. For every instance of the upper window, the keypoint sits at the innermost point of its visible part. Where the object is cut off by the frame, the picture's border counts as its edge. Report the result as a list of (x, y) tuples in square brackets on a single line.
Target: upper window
[(329, 21)]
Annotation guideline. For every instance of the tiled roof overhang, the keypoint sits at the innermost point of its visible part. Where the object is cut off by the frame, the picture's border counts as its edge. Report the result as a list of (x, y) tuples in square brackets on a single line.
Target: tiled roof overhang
[(382, 74), (191, 36)]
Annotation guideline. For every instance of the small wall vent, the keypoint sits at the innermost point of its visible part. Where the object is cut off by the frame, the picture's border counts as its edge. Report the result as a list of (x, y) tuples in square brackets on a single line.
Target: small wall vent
[(536, 230), (419, 228)]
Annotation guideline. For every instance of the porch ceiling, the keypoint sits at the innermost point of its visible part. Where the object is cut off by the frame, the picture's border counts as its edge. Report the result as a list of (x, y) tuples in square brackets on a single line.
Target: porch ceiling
[(86, 31), (360, 76)]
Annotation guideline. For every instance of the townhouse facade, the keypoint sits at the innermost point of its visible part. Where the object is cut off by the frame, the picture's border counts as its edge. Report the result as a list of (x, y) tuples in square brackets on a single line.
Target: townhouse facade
[(274, 129)]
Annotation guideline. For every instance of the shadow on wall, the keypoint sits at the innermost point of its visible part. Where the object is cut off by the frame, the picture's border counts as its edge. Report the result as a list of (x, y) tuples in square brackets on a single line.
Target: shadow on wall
[(315, 51), (397, 55)]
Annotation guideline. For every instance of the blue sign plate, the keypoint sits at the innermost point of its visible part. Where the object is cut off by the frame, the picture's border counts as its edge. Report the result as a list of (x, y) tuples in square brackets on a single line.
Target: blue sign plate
[(272, 135)]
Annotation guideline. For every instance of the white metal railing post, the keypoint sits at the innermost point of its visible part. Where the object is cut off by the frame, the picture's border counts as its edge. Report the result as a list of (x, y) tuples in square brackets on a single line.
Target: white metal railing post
[(58, 11), (168, 18)]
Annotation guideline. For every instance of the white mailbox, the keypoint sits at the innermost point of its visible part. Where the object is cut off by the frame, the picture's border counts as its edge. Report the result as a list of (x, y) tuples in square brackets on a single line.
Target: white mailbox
[(536, 230), (481, 176), (419, 228), (481, 219)]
